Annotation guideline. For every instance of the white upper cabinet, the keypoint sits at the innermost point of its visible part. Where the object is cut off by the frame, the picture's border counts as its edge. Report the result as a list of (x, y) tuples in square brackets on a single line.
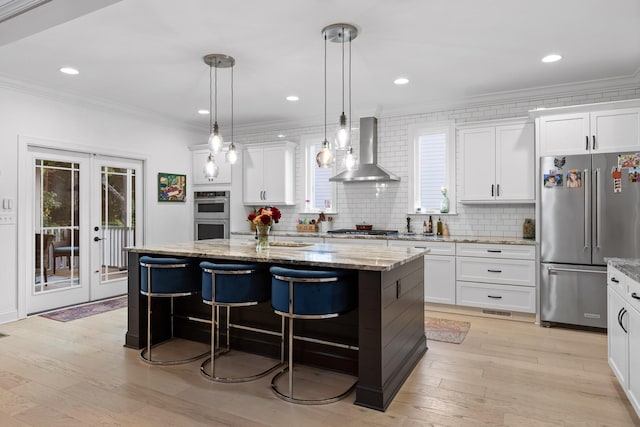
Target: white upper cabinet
[(199, 161), (498, 163), (590, 132), (268, 174)]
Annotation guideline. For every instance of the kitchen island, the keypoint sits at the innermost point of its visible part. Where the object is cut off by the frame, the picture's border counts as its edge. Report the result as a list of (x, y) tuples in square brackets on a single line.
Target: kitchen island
[(387, 326)]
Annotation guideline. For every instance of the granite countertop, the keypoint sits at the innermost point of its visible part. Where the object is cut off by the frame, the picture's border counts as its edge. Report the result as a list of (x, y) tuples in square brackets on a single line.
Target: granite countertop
[(404, 236), (372, 258), (628, 267)]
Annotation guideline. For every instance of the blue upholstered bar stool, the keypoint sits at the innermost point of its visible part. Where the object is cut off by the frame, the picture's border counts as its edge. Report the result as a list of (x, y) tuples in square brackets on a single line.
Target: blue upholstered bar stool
[(310, 294), (166, 278), (232, 285)]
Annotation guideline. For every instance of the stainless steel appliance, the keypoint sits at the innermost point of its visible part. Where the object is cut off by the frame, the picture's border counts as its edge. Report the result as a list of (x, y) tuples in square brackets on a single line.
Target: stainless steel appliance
[(590, 210), (211, 215)]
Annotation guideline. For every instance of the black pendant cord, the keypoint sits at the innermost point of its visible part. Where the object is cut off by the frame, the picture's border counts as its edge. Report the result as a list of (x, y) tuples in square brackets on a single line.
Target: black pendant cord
[(325, 89), (349, 89), (210, 100), (216, 88), (342, 70), (232, 106)]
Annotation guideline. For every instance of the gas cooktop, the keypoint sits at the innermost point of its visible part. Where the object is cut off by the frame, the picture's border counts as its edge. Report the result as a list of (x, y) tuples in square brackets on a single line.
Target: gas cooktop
[(363, 232)]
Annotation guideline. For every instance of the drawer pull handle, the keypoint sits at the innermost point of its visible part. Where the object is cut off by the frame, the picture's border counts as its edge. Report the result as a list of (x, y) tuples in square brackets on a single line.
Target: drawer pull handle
[(494, 296), (494, 271), (634, 295), (494, 251), (614, 280)]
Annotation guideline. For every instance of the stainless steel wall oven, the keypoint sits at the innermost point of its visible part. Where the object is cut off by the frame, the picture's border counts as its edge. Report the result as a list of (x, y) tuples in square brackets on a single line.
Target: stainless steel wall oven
[(211, 215)]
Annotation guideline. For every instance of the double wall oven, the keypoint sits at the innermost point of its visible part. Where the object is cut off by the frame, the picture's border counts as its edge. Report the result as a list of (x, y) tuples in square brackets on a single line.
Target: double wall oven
[(211, 212)]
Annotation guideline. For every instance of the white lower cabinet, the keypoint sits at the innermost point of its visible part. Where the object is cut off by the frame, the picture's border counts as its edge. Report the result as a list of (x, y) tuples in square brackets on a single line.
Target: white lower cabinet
[(496, 276), (623, 333), (439, 269)]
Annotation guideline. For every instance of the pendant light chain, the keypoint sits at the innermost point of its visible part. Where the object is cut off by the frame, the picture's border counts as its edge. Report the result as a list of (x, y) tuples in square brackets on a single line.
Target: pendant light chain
[(210, 100), (232, 106), (342, 70), (325, 88), (216, 88), (349, 89)]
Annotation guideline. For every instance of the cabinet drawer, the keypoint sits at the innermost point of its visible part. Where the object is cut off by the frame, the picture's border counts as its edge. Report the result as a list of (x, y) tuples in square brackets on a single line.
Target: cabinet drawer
[(496, 251), (633, 295), (617, 280), (435, 248), (516, 298), (503, 271)]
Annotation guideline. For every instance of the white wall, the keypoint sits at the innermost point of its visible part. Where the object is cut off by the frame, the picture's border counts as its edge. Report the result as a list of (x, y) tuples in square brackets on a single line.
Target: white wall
[(386, 207), (163, 146)]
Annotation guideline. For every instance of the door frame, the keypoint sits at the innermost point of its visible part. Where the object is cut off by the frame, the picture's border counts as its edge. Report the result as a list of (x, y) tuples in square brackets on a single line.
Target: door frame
[(25, 168)]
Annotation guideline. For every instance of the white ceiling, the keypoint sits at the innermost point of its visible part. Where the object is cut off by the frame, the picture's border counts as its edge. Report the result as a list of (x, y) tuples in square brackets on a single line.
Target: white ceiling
[(147, 54)]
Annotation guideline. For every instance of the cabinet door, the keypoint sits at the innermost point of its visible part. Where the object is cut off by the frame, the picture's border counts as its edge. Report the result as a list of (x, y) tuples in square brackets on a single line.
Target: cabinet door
[(276, 182), (617, 337), (515, 163), (478, 164), (564, 134), (253, 186), (440, 279), (199, 161), (615, 130), (633, 384)]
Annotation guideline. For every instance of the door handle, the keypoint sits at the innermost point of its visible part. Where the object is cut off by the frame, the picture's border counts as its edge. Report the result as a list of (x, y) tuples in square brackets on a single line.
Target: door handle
[(576, 270), (497, 190), (598, 208), (586, 147), (620, 316), (614, 280), (586, 209), (494, 251), (494, 296), (594, 142), (97, 239), (635, 296), (492, 190), (494, 271)]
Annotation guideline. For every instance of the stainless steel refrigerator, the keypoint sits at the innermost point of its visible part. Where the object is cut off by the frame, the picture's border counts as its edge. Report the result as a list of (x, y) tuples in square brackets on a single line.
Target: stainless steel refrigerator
[(590, 210)]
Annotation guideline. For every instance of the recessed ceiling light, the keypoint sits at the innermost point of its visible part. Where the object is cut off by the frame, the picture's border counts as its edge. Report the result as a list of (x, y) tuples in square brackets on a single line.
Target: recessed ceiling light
[(69, 70), (203, 112), (401, 81), (281, 136), (552, 58), (292, 98)]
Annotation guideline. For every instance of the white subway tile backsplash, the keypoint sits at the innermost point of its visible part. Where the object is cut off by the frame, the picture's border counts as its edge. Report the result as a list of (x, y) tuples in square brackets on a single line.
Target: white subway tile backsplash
[(385, 206)]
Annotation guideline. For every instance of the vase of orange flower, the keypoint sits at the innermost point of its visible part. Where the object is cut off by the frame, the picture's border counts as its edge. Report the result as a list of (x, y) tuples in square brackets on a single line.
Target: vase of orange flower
[(263, 219)]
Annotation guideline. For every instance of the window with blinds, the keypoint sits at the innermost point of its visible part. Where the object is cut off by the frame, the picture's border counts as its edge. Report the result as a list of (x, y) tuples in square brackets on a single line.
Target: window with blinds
[(432, 166), (319, 191)]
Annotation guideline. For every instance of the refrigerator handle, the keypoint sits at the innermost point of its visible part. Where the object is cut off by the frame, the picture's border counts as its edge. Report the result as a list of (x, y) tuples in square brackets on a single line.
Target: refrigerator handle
[(586, 209), (598, 207), (576, 270)]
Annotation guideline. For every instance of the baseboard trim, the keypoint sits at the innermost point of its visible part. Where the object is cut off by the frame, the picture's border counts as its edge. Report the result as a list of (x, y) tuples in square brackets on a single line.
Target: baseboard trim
[(480, 312)]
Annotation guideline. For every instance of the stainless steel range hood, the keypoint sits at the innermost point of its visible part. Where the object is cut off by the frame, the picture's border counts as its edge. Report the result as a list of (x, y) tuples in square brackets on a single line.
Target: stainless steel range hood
[(368, 170)]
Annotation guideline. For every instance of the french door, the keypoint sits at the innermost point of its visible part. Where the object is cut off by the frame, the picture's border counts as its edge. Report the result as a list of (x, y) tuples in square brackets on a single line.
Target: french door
[(84, 211)]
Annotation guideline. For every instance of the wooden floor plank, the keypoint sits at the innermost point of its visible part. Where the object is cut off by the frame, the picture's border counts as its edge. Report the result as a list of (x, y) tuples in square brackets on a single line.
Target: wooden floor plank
[(505, 373)]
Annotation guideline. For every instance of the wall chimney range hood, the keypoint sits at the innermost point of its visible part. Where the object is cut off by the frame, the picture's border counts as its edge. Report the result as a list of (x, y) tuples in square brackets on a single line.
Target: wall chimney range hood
[(368, 170)]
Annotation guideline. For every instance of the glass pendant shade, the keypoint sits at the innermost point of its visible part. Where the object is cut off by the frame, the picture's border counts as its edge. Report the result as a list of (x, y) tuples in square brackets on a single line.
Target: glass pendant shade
[(350, 160), (211, 169), (342, 136), (324, 156), (215, 140), (232, 154)]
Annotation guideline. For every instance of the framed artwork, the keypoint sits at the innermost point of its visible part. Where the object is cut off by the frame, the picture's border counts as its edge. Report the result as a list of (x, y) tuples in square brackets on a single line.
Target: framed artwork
[(172, 187)]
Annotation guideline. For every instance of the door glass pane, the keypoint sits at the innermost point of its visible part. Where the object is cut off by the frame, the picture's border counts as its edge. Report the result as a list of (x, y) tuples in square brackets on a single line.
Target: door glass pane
[(56, 225), (118, 220)]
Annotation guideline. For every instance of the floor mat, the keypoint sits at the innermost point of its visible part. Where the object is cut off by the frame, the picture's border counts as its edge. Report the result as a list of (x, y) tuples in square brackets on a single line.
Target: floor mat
[(445, 330), (80, 311)]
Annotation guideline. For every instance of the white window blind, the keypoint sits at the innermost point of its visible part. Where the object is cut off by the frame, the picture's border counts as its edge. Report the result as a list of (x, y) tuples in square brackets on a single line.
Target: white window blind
[(432, 169), (322, 198)]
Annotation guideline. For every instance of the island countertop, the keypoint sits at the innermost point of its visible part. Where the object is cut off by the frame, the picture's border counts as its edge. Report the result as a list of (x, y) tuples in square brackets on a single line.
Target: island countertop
[(371, 258)]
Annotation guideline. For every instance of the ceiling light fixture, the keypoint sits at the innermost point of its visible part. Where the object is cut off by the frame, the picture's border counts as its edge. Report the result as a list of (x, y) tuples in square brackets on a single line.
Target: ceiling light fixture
[(70, 71), (292, 98), (203, 112), (552, 58), (401, 81), (215, 61), (337, 33)]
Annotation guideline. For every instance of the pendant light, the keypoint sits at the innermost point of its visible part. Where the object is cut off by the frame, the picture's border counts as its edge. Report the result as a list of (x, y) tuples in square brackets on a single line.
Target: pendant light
[(215, 61), (325, 156)]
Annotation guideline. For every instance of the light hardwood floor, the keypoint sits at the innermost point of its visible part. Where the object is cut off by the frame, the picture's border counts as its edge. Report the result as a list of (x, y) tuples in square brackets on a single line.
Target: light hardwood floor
[(504, 374)]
